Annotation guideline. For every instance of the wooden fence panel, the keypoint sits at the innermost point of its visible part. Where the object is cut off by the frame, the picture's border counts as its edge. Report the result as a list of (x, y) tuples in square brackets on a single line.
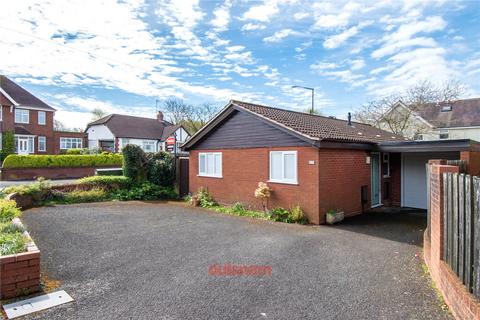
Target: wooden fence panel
[(445, 216), (455, 224), (468, 232), (461, 227), (450, 220), (476, 238)]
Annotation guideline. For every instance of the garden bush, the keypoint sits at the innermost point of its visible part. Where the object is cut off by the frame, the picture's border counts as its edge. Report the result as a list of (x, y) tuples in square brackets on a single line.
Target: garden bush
[(46, 161), (145, 191), (205, 199), (161, 169), (8, 144), (106, 182), (135, 163), (11, 243), (80, 196), (8, 210), (37, 190)]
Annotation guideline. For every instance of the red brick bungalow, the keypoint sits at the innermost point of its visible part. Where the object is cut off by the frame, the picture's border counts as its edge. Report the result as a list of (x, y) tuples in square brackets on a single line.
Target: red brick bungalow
[(320, 163)]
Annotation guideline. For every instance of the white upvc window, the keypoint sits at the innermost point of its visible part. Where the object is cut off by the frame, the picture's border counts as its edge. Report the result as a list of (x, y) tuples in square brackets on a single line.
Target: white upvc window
[(70, 143), (1, 113), (148, 146), (210, 164), (42, 144), (42, 118), (283, 167), (22, 116)]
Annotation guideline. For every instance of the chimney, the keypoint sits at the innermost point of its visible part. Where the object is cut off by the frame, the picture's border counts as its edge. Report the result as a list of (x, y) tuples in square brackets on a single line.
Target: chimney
[(160, 116), (349, 119)]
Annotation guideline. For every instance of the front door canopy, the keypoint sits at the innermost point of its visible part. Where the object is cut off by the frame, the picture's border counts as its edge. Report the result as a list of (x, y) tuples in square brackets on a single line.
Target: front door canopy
[(429, 146)]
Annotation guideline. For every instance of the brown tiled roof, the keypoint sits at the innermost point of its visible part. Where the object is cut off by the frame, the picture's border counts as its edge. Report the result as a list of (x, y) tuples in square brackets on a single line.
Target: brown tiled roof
[(465, 113), (320, 127), (22, 96), (123, 126), (22, 130), (168, 131)]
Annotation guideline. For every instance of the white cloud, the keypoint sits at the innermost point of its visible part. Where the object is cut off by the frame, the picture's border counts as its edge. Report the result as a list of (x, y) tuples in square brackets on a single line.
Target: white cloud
[(357, 64), (301, 15), (222, 16), (320, 66), (338, 39), (252, 27), (262, 12), (280, 35)]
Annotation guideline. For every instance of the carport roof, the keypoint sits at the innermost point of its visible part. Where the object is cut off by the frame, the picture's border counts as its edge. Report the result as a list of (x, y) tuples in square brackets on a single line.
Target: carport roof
[(429, 146)]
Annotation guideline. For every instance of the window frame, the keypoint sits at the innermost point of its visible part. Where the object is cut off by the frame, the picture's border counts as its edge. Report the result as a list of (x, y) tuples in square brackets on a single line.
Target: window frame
[(283, 154), (386, 164), (44, 118), (148, 142), (205, 173), (65, 146), (44, 144), (21, 120), (443, 134)]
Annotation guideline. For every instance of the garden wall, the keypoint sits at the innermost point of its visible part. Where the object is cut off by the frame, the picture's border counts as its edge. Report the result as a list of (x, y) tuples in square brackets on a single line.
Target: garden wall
[(20, 273), (462, 304), (15, 174)]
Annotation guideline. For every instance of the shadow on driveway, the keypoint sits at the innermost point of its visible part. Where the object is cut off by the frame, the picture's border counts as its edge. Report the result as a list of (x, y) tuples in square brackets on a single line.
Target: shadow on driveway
[(404, 225)]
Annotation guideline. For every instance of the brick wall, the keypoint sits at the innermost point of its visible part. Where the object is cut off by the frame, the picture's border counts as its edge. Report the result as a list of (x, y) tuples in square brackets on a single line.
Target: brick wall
[(462, 304), (20, 273), (342, 173), (244, 168), (473, 161)]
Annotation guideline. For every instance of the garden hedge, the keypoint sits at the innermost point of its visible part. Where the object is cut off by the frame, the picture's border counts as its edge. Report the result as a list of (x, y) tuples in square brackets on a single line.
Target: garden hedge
[(46, 161)]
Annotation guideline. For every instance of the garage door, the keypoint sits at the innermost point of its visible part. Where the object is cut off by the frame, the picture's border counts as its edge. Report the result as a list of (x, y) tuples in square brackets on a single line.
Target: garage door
[(414, 177)]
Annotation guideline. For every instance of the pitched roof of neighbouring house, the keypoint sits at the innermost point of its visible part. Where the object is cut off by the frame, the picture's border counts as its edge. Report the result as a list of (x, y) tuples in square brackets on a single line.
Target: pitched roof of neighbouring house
[(19, 96), (464, 113), (135, 127), (320, 127), (313, 128)]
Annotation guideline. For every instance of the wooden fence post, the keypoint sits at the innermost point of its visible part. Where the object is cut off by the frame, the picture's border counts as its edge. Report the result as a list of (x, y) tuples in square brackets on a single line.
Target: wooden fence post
[(476, 233)]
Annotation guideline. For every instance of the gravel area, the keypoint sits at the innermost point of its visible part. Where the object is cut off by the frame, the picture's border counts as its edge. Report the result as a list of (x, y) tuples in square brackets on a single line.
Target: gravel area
[(139, 260)]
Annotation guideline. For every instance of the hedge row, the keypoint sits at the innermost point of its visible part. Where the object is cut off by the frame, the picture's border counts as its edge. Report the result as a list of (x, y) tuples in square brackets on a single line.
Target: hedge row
[(46, 161)]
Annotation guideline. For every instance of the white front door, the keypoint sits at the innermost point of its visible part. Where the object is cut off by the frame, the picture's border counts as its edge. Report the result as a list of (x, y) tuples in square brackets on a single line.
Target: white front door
[(22, 146)]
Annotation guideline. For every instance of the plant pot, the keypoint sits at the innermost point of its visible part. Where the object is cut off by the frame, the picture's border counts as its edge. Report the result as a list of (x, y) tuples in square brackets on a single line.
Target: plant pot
[(336, 217), (194, 202)]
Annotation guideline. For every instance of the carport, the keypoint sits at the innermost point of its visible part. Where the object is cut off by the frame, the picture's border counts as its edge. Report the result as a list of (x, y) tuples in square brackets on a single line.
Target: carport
[(414, 155)]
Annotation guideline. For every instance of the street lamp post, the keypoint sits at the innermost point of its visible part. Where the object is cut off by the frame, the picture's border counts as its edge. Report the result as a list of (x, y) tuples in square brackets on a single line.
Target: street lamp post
[(312, 110)]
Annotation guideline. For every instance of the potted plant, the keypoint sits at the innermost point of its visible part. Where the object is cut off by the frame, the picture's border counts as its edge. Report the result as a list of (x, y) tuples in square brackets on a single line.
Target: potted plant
[(334, 216)]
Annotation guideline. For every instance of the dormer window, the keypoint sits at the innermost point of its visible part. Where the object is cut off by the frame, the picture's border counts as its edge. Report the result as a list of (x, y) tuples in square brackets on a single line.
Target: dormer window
[(446, 108)]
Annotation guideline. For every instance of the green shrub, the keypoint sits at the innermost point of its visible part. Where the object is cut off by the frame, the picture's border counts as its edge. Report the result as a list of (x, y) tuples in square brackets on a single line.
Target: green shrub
[(114, 172), (145, 191), (8, 144), (46, 161), (205, 199), (9, 227), (280, 214), (80, 196), (8, 210), (161, 169), (296, 215), (38, 189), (135, 163), (238, 207), (74, 151), (11, 243), (106, 182)]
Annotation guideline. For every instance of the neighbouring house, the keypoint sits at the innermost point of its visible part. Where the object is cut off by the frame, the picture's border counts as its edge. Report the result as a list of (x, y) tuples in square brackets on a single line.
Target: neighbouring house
[(113, 132), (31, 120), (319, 163), (458, 119)]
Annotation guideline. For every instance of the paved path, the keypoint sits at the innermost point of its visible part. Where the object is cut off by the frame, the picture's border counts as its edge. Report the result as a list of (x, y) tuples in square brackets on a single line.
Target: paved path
[(150, 261)]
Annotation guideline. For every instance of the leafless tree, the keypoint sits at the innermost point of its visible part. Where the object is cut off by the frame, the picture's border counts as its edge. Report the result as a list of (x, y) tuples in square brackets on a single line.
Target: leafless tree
[(98, 113), (381, 113), (192, 117)]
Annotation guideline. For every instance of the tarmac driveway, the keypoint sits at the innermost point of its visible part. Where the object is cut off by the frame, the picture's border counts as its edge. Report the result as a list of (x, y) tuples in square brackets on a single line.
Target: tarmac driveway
[(151, 260)]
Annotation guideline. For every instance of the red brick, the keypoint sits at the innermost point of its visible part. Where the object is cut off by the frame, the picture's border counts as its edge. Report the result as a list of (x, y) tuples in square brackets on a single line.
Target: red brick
[(15, 265)]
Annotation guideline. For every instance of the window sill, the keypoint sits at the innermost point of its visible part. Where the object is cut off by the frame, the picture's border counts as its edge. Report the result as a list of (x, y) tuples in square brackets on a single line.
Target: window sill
[(204, 176), (283, 182)]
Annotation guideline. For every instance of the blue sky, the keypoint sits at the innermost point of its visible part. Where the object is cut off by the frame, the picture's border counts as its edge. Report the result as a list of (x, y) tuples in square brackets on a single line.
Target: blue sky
[(123, 55)]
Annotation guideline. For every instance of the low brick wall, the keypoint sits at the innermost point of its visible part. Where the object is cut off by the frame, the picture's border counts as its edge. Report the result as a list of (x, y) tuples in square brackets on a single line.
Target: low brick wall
[(462, 304), (15, 174), (20, 273)]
